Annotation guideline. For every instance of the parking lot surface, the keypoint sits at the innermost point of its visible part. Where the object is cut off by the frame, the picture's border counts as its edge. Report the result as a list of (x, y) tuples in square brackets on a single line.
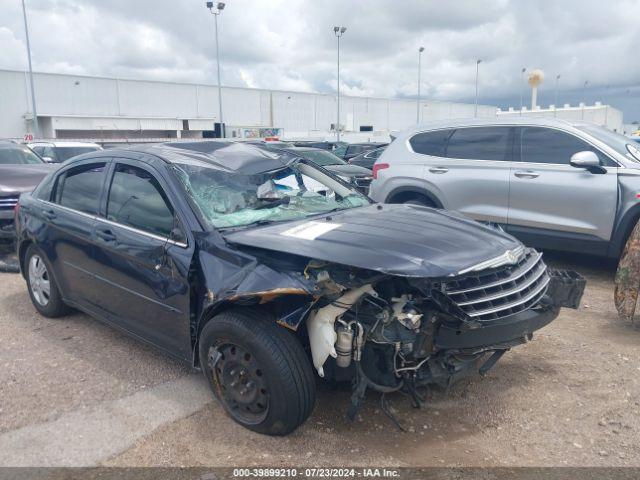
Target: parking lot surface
[(76, 392)]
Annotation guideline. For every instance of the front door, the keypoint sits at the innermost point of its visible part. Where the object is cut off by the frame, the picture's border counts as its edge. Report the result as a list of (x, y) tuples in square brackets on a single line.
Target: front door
[(144, 271), (550, 197)]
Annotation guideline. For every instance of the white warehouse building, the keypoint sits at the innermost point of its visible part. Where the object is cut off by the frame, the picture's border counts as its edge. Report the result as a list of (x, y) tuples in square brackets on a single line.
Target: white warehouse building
[(73, 106)]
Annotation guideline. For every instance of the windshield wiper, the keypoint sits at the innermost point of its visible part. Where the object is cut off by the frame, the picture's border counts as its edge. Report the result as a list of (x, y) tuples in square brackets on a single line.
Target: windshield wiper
[(256, 223)]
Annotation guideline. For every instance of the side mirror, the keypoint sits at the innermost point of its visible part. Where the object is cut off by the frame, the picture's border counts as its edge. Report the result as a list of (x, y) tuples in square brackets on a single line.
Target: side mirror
[(587, 160), (48, 159)]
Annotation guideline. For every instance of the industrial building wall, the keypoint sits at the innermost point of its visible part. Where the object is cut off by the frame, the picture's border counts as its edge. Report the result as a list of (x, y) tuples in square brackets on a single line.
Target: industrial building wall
[(70, 104), (604, 115)]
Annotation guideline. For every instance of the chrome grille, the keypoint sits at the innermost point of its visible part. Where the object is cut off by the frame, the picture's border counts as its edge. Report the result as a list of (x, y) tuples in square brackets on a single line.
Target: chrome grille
[(8, 203), (499, 292)]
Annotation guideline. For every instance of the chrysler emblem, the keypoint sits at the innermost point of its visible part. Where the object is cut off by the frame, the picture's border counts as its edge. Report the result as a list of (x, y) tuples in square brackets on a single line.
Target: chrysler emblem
[(512, 257)]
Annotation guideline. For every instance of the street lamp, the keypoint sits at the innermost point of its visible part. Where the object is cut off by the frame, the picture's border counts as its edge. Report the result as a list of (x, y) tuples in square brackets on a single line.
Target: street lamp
[(555, 102), (524, 69), (420, 50), (584, 102), (475, 113), (36, 129), (216, 11), (338, 32)]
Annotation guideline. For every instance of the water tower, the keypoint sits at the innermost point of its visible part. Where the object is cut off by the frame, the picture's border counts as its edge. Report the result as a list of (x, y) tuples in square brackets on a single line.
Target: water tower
[(536, 77)]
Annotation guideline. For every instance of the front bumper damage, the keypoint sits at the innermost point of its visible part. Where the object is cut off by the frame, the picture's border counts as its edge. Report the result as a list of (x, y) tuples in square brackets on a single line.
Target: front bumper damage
[(387, 332)]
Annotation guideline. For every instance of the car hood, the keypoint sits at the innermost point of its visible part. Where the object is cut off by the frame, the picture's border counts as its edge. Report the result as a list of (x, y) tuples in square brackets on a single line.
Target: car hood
[(23, 178), (405, 240), (349, 170)]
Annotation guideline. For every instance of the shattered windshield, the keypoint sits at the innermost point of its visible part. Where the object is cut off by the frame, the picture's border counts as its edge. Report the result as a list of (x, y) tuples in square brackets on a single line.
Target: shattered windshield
[(229, 199)]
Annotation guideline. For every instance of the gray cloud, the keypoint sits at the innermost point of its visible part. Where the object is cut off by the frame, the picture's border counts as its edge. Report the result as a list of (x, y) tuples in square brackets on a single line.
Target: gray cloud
[(290, 45)]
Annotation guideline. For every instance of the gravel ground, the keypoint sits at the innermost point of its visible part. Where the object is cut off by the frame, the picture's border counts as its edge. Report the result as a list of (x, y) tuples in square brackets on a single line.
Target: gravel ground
[(569, 397)]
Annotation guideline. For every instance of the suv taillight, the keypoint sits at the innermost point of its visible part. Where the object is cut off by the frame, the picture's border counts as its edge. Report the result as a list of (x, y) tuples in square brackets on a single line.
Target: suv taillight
[(379, 166), (16, 210)]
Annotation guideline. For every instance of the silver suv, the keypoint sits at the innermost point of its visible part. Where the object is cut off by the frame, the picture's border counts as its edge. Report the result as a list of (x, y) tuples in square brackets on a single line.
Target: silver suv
[(553, 184)]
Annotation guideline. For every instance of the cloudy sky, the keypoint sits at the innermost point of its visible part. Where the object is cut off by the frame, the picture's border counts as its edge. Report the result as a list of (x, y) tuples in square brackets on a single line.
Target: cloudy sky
[(290, 45)]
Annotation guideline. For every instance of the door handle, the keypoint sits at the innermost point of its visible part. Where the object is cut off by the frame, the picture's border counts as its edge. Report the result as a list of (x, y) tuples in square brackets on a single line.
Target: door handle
[(438, 170), (527, 174), (106, 235), (49, 214)]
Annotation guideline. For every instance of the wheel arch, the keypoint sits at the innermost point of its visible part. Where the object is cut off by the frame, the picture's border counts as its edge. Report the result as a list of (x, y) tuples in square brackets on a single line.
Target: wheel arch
[(403, 194), (622, 231), (213, 310)]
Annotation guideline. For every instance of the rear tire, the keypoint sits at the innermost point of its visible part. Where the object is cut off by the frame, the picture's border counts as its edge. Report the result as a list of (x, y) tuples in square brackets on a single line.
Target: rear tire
[(41, 284), (258, 371)]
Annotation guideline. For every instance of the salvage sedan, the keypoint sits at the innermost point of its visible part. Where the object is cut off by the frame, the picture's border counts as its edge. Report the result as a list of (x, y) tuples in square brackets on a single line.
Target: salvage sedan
[(229, 257)]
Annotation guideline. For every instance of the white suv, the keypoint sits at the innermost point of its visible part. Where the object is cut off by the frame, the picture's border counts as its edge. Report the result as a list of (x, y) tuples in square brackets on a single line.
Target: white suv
[(59, 151)]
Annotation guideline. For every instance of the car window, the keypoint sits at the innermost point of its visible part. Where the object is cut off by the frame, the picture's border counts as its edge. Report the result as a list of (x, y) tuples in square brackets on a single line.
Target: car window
[(49, 152), (79, 188), (480, 143), (355, 149), (137, 200), (375, 154), (430, 143), (322, 157), (18, 156), (230, 200), (341, 150), (38, 150), (546, 145)]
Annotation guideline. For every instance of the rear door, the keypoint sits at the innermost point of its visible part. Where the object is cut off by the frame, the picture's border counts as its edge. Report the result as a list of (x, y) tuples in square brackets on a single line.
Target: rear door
[(469, 168), (70, 215), (143, 262), (550, 197)]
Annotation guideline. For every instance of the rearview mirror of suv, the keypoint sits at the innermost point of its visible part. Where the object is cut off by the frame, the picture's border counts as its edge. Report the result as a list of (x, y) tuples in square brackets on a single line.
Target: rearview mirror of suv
[(587, 160)]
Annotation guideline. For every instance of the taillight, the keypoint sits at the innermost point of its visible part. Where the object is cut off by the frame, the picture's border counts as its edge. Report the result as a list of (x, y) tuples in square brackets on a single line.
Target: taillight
[(379, 166), (16, 210)]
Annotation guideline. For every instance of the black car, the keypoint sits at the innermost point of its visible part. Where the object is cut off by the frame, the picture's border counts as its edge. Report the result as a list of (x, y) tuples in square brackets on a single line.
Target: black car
[(359, 177), (20, 171), (330, 145), (350, 150), (367, 159), (224, 256)]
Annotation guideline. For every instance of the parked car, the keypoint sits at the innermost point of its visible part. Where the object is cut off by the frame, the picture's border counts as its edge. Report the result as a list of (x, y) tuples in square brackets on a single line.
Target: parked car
[(350, 150), (330, 145), (359, 177), (219, 254), (552, 184), (20, 171), (367, 159), (59, 151)]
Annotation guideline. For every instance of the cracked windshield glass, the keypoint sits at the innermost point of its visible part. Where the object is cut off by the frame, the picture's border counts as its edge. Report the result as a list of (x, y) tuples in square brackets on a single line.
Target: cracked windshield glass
[(294, 192)]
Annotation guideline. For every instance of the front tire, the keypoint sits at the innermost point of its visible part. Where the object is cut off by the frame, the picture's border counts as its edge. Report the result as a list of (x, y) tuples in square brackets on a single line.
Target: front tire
[(258, 371), (42, 286)]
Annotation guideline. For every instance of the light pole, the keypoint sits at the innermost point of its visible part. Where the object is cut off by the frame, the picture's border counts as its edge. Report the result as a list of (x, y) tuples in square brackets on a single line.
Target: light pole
[(475, 113), (555, 102), (524, 69), (420, 50), (36, 129), (338, 32), (584, 93), (218, 9)]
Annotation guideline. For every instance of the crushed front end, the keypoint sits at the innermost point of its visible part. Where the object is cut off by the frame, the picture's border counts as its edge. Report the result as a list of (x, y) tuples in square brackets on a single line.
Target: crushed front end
[(391, 333)]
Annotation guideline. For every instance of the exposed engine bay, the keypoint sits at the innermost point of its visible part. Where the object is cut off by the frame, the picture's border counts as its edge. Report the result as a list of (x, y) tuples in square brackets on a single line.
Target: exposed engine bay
[(390, 333)]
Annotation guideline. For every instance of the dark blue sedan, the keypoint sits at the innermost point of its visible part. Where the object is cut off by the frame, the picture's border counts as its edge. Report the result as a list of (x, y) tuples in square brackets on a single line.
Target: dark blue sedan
[(258, 267)]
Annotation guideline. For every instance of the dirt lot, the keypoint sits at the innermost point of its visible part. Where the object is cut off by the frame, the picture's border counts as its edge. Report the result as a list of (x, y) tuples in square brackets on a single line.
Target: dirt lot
[(75, 392)]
